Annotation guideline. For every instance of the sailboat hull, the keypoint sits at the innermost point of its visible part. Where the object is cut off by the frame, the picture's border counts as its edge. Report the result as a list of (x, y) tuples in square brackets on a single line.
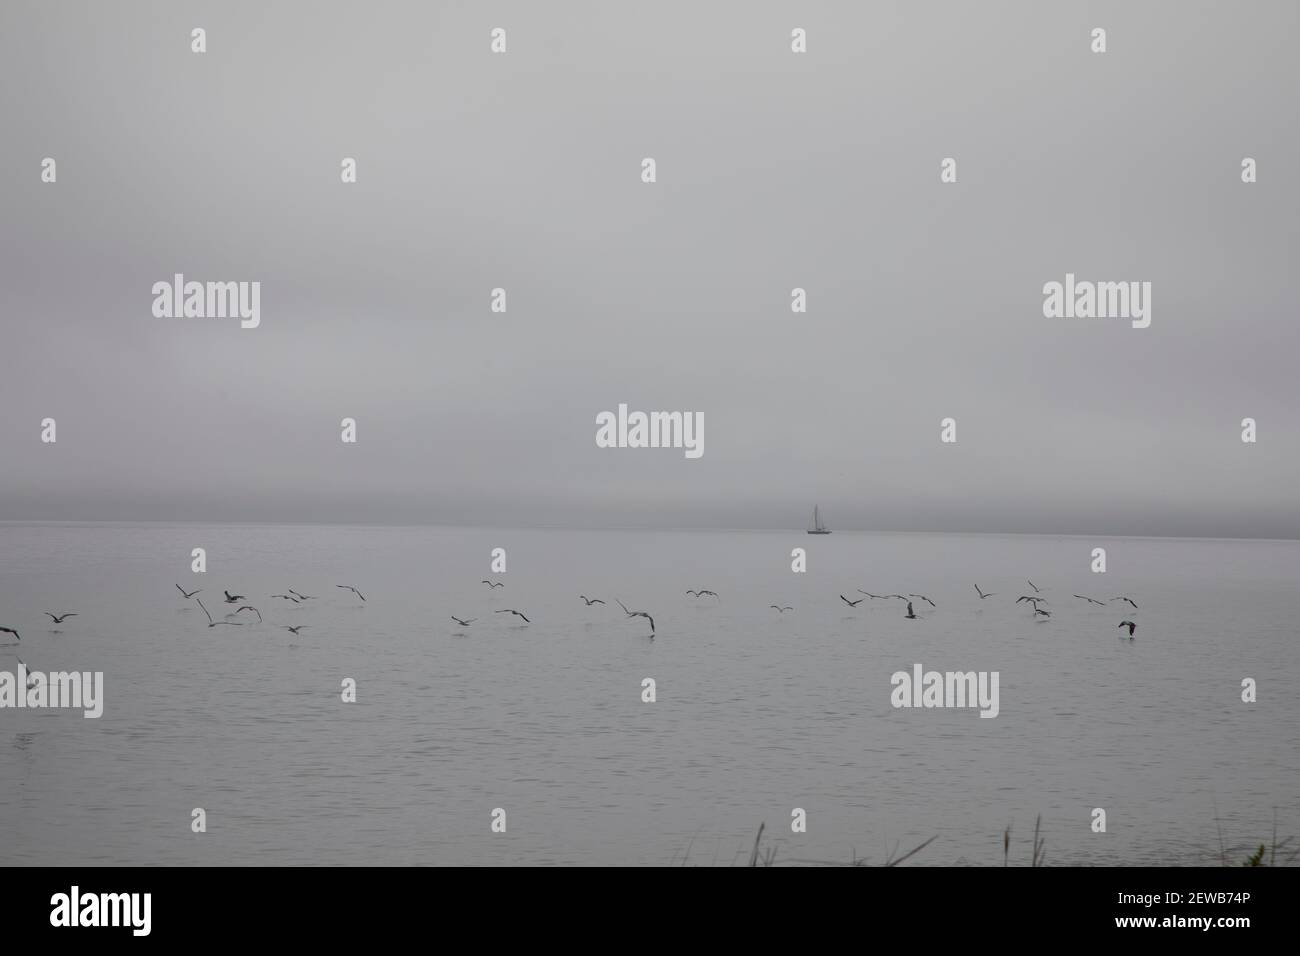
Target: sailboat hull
[(823, 531)]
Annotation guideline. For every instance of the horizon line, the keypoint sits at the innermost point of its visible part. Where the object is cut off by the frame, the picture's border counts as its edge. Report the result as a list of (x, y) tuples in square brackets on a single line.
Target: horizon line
[(647, 528)]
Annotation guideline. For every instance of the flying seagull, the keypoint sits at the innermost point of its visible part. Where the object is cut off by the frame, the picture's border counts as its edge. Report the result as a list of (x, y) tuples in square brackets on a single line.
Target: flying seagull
[(781, 610), (1039, 611), (1131, 628), (293, 628), (702, 593), (924, 598), (249, 607), (1031, 599), (910, 615), (510, 610), (470, 621), (851, 603), (591, 601), (348, 587), (493, 584), (60, 618), (982, 594), (234, 598), (1129, 599), (302, 597), (287, 598), (1091, 600), (10, 630), (187, 596), (212, 623), (638, 614), (1037, 589)]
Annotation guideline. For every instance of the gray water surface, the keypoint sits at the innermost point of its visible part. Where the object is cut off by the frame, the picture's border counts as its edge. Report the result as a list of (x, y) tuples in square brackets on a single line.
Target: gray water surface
[(756, 713)]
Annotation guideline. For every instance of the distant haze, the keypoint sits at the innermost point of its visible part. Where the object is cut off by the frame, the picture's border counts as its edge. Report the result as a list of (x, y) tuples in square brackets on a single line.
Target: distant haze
[(775, 171)]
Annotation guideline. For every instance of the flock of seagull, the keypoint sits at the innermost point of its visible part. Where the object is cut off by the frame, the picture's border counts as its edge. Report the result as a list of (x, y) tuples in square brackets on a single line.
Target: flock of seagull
[(1033, 599), (228, 598), (294, 597), (298, 598), (466, 622)]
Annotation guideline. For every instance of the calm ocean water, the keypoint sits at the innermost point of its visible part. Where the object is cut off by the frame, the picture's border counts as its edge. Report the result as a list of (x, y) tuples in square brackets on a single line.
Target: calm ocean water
[(757, 712)]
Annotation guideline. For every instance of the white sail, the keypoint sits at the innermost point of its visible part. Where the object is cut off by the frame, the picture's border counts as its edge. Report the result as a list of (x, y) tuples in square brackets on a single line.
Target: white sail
[(818, 527)]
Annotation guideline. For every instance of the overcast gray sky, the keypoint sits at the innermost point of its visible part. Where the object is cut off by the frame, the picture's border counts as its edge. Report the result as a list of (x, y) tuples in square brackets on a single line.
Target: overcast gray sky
[(775, 170)]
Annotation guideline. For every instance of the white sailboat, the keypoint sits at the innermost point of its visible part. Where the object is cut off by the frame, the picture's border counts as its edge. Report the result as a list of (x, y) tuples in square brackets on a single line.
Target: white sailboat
[(818, 527)]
